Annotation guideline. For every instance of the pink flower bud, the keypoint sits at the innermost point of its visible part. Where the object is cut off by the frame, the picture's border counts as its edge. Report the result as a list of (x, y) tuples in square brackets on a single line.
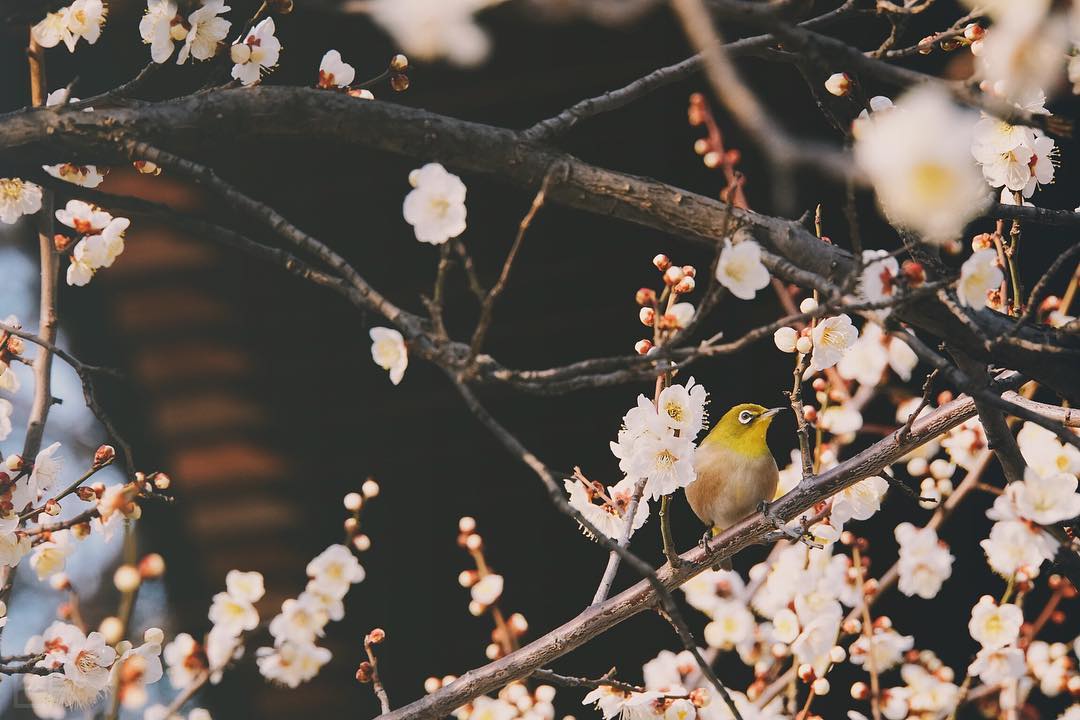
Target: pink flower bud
[(662, 262), (104, 455), (642, 347), (673, 275), (647, 316), (839, 84), (684, 286)]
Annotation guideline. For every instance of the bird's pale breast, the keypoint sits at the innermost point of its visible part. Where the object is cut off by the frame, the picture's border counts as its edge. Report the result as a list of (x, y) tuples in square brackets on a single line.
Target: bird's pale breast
[(730, 485)]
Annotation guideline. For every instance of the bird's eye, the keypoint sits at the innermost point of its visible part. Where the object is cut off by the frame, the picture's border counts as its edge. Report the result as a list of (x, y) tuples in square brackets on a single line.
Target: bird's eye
[(745, 417)]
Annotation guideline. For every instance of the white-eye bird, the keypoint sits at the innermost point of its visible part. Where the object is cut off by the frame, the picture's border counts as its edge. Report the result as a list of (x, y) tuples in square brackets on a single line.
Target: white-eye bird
[(736, 472)]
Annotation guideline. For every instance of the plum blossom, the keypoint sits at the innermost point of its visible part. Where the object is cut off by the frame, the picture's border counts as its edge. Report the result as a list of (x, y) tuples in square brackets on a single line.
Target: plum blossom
[(666, 463), (878, 280), (916, 157), (995, 626), (157, 28), (334, 72), (887, 645), (924, 563), (978, 276), (998, 665), (335, 570), (185, 659), (205, 31), (79, 665), (682, 408), (18, 198), (389, 352), (833, 338), (1045, 499), (291, 663), (256, 54), (138, 667), (859, 501), (6, 408), (488, 589), (1044, 453), (301, 620), (740, 269), (817, 639), (732, 624), (607, 517), (965, 443), (1014, 545), (435, 207), (436, 30), (82, 19), (50, 557), (232, 611)]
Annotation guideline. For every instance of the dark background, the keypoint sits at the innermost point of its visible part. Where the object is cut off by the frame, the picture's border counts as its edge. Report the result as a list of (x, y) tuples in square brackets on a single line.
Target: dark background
[(257, 392)]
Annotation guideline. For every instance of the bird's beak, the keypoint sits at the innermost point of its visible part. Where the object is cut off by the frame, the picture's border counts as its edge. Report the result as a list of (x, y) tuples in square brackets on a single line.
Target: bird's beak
[(773, 411)]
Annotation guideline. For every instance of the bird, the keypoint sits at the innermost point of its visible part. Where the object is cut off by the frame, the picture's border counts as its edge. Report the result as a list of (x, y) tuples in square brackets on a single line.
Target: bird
[(736, 472)]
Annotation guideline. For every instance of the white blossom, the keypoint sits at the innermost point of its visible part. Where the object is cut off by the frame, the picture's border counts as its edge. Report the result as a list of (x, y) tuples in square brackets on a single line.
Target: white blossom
[(1013, 546), (682, 408), (785, 339), (732, 624), (997, 665), (1045, 453), (257, 53), (435, 207), (1045, 499), (335, 570), (995, 626), (740, 269), (487, 590), (389, 352), (205, 31), (301, 620), (859, 501), (887, 645), (916, 156), (435, 30), (604, 517), (182, 658), (18, 198), (157, 27), (833, 337), (334, 72), (666, 462), (978, 275), (291, 664), (925, 562)]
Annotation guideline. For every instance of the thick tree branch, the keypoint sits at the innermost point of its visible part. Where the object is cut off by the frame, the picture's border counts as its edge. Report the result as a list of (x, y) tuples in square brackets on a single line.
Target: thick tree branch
[(274, 113)]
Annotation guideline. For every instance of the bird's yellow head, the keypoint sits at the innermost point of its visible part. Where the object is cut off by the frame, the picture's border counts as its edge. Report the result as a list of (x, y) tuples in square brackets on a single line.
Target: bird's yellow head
[(743, 429)]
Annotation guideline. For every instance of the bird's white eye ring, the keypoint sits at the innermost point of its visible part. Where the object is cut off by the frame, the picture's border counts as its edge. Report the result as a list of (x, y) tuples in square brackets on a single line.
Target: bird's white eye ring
[(745, 417)]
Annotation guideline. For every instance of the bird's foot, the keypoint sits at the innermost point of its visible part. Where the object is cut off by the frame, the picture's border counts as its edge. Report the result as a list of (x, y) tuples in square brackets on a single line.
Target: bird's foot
[(704, 542), (784, 531)]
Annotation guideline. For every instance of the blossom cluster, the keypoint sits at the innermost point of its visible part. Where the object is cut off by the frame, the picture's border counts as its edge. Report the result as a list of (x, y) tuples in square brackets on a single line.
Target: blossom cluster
[(295, 658), (101, 239), (199, 34), (81, 19)]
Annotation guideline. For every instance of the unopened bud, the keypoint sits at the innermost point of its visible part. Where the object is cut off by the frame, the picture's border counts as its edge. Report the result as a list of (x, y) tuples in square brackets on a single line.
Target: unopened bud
[(104, 455), (152, 566), (808, 305), (809, 413), (914, 273), (400, 83), (645, 297), (684, 286), (466, 524), (662, 262), (467, 578), (945, 396), (52, 507), (819, 384), (647, 316), (126, 578), (476, 609), (837, 655), (642, 347), (370, 488), (162, 481), (353, 501), (974, 31), (712, 159), (982, 241), (86, 494), (821, 686), (860, 691), (673, 275), (518, 624), (701, 146), (13, 463), (804, 345), (926, 45), (399, 63), (364, 672), (376, 636), (362, 542), (493, 651), (430, 685), (806, 673), (351, 525), (113, 630)]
